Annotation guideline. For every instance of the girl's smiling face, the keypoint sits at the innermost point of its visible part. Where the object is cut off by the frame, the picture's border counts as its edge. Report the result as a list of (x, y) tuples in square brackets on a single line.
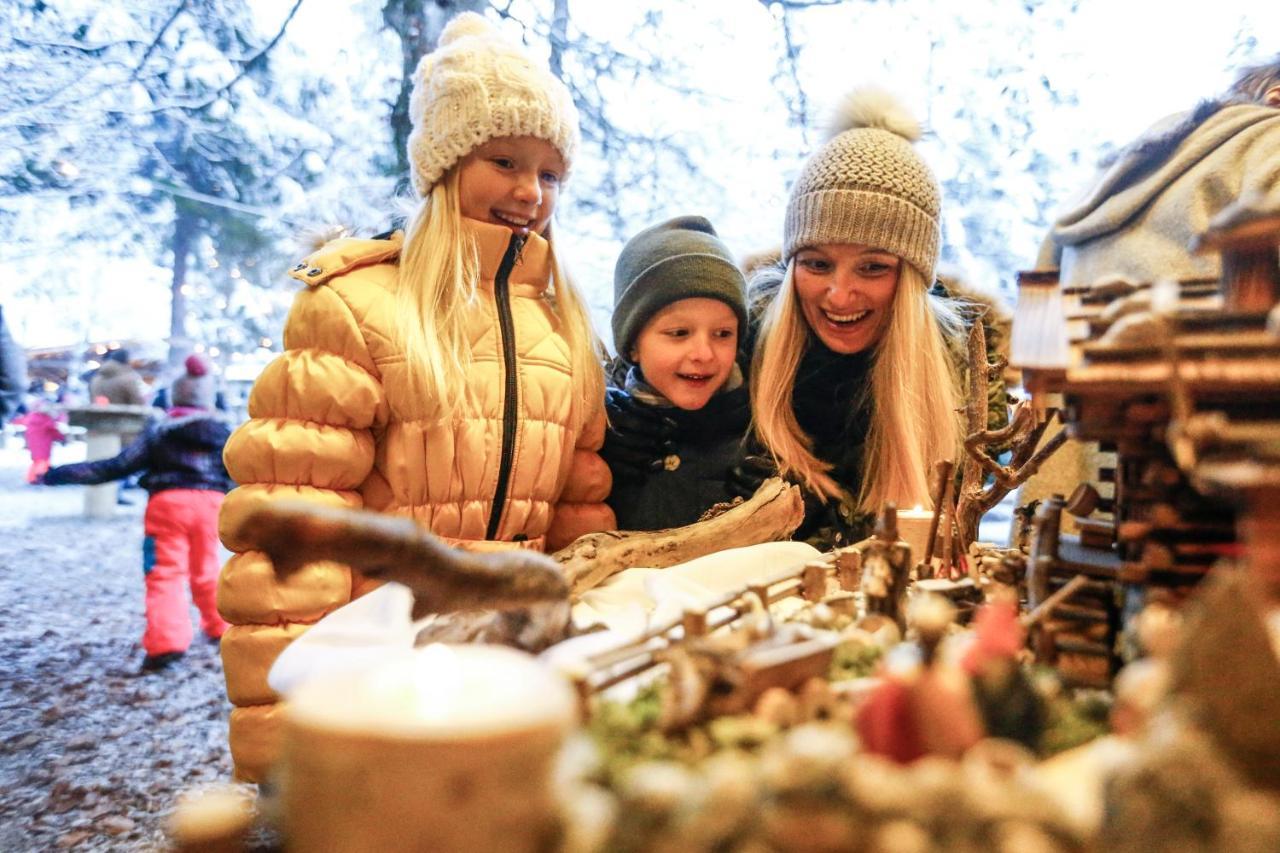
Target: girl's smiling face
[(512, 181), (845, 291), (686, 351)]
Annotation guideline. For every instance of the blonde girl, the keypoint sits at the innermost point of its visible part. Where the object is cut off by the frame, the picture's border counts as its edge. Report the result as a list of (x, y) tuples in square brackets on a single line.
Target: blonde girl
[(448, 374)]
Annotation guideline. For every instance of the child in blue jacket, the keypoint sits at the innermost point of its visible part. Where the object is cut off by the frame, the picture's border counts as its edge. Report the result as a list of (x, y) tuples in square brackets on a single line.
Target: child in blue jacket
[(181, 461)]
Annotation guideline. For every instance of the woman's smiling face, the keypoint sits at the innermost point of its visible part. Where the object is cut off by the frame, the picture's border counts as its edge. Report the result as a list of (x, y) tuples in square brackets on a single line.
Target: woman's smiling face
[(845, 292), (686, 350)]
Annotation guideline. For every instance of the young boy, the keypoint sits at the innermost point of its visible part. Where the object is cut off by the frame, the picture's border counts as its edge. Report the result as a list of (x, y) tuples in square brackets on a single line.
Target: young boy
[(181, 458), (679, 408)]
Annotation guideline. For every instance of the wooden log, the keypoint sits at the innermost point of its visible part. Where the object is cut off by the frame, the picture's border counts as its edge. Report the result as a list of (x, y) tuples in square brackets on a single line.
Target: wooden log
[(443, 579), (772, 513)]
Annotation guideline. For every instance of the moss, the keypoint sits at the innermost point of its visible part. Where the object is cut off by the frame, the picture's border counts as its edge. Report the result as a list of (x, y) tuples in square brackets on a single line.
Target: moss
[(854, 660), (1075, 719)]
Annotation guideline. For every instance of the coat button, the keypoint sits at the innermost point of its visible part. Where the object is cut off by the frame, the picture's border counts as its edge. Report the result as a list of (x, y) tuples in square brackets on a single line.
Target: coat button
[(314, 271)]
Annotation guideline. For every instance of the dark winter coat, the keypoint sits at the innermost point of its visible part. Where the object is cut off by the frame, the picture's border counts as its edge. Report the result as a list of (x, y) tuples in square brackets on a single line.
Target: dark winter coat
[(708, 443), (13, 373), (180, 453)]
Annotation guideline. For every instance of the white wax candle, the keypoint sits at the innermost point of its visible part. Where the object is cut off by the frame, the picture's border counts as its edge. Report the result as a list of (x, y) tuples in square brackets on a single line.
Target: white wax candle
[(439, 692), (913, 527), (444, 748)]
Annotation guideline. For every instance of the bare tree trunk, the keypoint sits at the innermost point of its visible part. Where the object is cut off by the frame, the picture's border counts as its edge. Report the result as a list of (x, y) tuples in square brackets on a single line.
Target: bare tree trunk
[(559, 37), (185, 231), (418, 24)]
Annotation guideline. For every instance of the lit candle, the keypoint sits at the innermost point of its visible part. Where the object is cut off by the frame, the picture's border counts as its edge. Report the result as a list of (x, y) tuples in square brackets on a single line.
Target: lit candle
[(913, 527), (439, 748)]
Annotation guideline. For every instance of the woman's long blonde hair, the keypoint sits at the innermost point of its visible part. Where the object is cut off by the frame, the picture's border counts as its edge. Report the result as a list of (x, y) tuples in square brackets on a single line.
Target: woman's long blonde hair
[(439, 274), (914, 417)]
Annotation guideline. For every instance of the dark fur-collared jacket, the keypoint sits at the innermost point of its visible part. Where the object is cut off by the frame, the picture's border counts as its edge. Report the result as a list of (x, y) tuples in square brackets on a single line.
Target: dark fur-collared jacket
[(706, 445)]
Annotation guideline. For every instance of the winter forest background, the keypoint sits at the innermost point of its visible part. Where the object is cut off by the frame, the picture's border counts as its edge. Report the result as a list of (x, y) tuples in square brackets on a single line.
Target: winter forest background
[(162, 160)]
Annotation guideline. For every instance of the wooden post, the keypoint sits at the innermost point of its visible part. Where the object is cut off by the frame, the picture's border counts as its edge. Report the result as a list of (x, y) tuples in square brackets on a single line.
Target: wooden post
[(694, 623), (1247, 237), (849, 568), (104, 426), (813, 580), (942, 473)]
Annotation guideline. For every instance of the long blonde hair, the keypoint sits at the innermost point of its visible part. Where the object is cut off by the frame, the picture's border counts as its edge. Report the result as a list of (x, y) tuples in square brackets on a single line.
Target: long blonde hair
[(914, 417), (439, 274)]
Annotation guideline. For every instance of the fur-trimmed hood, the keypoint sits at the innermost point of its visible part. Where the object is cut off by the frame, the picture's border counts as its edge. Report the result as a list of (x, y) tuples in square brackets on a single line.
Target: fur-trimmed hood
[(1146, 168)]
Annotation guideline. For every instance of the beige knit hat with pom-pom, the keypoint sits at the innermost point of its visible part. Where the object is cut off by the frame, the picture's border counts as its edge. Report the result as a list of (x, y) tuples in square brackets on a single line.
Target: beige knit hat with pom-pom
[(477, 86), (867, 185)]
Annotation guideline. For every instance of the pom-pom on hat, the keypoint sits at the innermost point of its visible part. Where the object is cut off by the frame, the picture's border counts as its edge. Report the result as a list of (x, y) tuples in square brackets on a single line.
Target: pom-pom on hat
[(194, 389), (868, 185), (477, 86), (681, 258)]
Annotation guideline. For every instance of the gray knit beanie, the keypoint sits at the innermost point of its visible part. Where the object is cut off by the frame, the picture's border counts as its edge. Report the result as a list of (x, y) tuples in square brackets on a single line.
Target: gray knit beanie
[(867, 185), (681, 258)]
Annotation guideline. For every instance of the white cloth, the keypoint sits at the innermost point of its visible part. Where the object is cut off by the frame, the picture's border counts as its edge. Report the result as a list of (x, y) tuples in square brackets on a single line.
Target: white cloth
[(349, 639), (367, 629), (632, 601)]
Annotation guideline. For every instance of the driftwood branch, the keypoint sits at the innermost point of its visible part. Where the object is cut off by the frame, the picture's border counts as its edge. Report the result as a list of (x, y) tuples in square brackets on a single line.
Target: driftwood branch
[(443, 579), (772, 513), (517, 597)]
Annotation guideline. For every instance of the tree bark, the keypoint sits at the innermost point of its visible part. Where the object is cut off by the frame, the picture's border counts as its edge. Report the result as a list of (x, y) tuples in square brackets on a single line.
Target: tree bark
[(418, 24), (559, 37), (186, 227)]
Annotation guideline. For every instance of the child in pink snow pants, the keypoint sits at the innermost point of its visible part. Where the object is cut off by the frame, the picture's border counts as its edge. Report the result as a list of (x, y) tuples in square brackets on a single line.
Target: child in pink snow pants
[(42, 429), (181, 461)]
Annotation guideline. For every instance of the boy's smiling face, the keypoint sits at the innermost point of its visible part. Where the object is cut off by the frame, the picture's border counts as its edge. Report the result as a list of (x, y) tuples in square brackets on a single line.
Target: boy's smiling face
[(686, 351)]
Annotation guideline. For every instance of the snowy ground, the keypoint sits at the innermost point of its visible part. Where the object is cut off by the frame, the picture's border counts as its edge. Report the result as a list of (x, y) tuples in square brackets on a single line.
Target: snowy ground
[(92, 756)]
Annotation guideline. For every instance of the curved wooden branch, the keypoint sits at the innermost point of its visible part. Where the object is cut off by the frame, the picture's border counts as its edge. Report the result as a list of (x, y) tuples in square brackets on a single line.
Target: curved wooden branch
[(772, 513), (977, 443), (443, 579)]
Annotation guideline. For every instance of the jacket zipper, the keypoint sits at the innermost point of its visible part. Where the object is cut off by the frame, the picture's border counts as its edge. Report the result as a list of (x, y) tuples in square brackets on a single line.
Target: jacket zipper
[(510, 399)]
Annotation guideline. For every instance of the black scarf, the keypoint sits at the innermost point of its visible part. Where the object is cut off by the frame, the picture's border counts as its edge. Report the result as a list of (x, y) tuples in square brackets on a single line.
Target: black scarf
[(832, 403)]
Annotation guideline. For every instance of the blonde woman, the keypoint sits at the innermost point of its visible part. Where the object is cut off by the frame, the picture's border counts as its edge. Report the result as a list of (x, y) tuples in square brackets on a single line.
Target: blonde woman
[(448, 374), (854, 388)]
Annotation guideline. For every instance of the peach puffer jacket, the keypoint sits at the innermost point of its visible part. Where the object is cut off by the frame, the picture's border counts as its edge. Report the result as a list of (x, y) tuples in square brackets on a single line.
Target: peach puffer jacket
[(332, 420)]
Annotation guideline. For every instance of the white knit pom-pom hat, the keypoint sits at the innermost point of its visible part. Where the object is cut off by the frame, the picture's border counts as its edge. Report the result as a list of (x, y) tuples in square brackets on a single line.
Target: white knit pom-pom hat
[(477, 86), (868, 185)]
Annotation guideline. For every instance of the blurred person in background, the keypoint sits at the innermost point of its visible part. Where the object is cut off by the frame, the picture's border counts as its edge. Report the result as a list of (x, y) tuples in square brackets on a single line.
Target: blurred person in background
[(13, 372), (1138, 218), (180, 458)]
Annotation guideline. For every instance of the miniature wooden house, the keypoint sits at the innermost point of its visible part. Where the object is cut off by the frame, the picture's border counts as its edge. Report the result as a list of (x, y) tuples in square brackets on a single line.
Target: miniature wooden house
[(1129, 360)]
